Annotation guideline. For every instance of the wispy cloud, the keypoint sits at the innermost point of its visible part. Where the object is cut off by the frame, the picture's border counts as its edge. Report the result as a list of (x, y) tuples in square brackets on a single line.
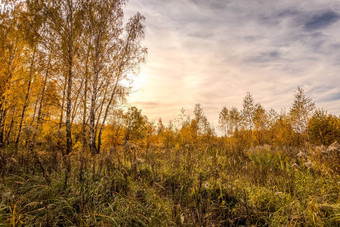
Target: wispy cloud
[(212, 52)]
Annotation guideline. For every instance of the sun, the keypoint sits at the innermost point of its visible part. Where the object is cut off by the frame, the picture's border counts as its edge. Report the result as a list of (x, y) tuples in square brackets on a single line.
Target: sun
[(134, 81), (138, 81)]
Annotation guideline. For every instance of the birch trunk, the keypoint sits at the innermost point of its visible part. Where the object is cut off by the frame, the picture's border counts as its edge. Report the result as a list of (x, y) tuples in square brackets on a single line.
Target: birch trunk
[(28, 92), (42, 99)]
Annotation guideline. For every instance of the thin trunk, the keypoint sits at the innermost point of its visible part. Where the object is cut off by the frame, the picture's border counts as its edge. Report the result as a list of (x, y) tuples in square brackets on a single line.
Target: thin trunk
[(96, 71), (35, 111), (84, 142), (84, 114), (76, 103), (41, 102), (68, 106), (2, 124), (10, 127), (61, 118), (112, 97), (107, 111), (119, 70), (26, 99), (92, 135), (251, 137), (3, 90), (70, 59), (85, 145), (100, 113), (92, 140)]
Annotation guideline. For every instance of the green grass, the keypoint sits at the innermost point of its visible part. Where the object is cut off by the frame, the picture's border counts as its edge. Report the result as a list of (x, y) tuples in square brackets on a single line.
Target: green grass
[(185, 187)]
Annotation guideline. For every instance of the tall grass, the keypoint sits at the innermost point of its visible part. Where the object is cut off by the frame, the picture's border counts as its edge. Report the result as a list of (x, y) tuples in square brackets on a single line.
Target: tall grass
[(263, 186)]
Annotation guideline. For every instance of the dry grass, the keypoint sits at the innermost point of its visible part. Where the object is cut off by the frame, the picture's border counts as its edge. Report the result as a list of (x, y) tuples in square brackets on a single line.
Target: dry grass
[(210, 186)]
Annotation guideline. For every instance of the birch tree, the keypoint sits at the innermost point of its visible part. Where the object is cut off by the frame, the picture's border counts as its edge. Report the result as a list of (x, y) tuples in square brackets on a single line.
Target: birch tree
[(61, 33), (114, 52), (248, 114), (301, 110)]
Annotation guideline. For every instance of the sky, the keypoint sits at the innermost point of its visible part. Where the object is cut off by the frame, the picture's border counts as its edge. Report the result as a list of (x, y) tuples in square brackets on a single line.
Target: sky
[(213, 52)]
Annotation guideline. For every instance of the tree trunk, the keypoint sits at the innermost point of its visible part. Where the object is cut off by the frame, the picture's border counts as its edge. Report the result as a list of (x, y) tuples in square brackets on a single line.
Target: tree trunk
[(92, 133), (92, 139), (26, 99), (107, 110), (100, 113), (41, 102), (119, 72), (76, 102), (84, 114), (61, 118), (68, 107), (10, 127), (2, 124), (35, 110), (84, 126)]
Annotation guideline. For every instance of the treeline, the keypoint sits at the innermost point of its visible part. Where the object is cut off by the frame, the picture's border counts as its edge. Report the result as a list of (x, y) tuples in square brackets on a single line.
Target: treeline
[(62, 66), (238, 130)]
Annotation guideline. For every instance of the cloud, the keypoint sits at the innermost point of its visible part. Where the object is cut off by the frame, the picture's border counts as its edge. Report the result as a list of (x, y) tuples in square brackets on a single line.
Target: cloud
[(265, 57), (322, 20), (212, 52), (331, 97), (148, 104)]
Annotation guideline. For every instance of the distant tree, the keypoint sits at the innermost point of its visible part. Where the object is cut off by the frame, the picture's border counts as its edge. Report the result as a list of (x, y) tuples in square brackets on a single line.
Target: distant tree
[(183, 118), (260, 123), (115, 131), (301, 111), (235, 120), (323, 128), (200, 125), (168, 137), (260, 117), (135, 124), (160, 126), (187, 128), (248, 113), (199, 118), (229, 120), (149, 133), (284, 135), (272, 117), (208, 130), (224, 120)]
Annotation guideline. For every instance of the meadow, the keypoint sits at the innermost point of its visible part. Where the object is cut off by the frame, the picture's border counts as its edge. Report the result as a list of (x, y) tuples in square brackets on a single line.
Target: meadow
[(214, 186)]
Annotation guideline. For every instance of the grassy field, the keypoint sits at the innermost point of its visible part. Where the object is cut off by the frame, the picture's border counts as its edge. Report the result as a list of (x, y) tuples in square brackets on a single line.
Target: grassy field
[(187, 186)]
